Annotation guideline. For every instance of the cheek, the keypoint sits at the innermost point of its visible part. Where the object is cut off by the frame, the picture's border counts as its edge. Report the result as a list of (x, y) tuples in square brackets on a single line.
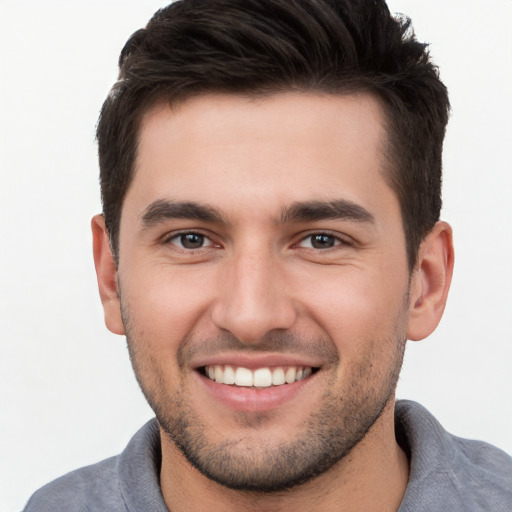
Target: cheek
[(165, 304), (357, 308)]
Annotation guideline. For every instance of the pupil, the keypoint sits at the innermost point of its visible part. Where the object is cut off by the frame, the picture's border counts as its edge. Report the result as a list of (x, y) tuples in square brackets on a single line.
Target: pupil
[(192, 241), (322, 241)]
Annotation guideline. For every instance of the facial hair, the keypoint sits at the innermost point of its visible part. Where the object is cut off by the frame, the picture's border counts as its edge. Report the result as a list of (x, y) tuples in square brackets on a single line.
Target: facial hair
[(341, 420)]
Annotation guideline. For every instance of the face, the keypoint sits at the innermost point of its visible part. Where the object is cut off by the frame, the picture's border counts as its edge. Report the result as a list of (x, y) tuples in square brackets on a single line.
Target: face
[(263, 282)]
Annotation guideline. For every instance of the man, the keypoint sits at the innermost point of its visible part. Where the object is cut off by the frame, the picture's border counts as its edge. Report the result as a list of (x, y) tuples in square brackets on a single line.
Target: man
[(270, 238)]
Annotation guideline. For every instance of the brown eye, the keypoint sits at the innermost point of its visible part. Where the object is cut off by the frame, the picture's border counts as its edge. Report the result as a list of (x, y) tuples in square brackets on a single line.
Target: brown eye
[(191, 241), (320, 241), (323, 241)]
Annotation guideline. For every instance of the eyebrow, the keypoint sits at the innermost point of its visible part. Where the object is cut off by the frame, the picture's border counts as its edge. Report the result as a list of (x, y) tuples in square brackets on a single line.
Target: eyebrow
[(164, 209), (306, 211), (310, 211)]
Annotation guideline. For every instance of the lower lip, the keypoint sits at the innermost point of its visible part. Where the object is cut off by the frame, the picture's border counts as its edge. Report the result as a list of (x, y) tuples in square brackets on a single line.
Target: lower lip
[(239, 398)]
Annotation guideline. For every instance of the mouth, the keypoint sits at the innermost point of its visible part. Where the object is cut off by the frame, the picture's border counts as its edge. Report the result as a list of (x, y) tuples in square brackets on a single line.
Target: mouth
[(259, 378)]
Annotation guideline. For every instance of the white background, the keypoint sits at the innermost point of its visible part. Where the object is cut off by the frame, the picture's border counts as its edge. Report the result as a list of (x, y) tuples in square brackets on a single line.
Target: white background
[(68, 397)]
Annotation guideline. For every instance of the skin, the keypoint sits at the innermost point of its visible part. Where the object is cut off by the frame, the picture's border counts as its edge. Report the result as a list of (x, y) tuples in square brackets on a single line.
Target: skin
[(257, 292)]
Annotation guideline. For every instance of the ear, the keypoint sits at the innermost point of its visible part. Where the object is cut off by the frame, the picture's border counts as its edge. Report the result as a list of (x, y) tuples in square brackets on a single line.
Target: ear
[(106, 272), (430, 282)]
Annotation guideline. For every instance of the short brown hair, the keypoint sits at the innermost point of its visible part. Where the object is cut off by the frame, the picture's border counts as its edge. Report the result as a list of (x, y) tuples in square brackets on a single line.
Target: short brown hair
[(252, 47)]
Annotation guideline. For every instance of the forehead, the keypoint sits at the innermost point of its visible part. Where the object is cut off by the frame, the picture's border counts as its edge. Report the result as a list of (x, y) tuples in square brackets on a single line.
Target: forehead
[(266, 151)]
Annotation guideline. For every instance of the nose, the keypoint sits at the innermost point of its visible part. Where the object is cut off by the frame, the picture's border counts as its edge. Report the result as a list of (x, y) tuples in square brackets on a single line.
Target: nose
[(253, 297)]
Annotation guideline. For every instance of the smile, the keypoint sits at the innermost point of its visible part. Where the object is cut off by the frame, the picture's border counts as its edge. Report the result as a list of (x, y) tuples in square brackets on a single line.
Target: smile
[(259, 378)]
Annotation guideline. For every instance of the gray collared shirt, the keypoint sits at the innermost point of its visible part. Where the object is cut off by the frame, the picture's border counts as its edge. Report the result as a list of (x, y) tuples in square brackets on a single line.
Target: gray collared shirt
[(447, 474)]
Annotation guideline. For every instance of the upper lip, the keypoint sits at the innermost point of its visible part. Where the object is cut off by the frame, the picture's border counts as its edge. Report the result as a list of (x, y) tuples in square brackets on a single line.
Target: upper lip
[(253, 361)]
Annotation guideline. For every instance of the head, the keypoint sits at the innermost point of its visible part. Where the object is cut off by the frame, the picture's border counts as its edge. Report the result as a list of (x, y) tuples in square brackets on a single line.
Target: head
[(271, 185), (261, 47)]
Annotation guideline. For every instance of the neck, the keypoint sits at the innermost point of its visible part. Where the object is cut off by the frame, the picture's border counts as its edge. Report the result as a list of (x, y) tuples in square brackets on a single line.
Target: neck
[(372, 477)]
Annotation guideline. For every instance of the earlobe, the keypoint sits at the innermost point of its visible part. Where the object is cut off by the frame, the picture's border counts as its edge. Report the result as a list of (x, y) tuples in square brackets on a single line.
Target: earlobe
[(106, 273), (430, 282)]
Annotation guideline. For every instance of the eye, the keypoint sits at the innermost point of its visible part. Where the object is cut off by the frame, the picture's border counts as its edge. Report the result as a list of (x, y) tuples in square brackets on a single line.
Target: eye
[(320, 241), (191, 241)]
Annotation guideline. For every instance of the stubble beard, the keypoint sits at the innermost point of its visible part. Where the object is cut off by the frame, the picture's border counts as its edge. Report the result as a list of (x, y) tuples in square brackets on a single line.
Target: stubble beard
[(342, 420)]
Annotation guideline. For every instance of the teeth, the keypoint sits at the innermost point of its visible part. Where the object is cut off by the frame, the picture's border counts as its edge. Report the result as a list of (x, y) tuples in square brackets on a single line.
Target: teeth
[(219, 374), (229, 375), (243, 377), (263, 378), (260, 378), (278, 377), (290, 375)]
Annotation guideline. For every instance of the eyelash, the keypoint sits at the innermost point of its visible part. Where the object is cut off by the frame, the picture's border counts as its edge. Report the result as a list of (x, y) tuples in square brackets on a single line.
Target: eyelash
[(177, 239), (337, 240)]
